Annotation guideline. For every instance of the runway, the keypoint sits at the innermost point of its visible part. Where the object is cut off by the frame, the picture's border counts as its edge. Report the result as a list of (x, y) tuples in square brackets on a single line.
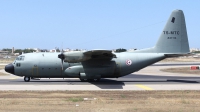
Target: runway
[(150, 78)]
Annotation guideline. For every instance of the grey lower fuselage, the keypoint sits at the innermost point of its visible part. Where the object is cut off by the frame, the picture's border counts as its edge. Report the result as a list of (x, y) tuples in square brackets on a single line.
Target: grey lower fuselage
[(48, 65)]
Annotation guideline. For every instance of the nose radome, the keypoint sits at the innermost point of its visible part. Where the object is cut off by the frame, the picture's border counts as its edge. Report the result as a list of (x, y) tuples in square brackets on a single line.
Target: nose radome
[(9, 68)]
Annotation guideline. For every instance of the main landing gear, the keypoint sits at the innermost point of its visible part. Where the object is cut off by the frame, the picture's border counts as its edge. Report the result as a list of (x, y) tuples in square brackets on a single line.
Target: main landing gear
[(26, 79), (90, 80)]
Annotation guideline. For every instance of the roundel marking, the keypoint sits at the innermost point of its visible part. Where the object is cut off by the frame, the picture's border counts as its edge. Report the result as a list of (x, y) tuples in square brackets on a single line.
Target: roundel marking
[(128, 62)]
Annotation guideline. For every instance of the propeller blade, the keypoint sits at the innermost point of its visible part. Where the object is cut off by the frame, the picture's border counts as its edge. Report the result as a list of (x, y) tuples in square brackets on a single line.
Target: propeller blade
[(62, 64), (62, 57)]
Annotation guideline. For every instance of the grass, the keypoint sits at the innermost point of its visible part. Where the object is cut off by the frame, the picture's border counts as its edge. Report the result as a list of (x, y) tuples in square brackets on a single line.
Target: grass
[(3, 74), (2, 67), (107, 101), (75, 99), (123, 96), (185, 70), (2, 60)]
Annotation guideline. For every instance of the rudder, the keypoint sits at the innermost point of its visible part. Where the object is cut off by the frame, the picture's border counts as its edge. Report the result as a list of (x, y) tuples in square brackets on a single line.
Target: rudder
[(173, 39)]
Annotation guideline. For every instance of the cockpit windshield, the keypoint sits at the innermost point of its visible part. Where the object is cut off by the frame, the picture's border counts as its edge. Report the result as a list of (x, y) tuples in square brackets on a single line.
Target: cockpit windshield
[(20, 58)]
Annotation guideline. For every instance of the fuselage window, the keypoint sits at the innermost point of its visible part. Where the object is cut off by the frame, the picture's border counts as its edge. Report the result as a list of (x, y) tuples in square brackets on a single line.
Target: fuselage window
[(18, 64), (20, 58)]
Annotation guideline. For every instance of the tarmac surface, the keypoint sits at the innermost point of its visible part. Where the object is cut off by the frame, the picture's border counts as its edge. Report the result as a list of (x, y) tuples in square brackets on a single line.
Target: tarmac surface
[(150, 78)]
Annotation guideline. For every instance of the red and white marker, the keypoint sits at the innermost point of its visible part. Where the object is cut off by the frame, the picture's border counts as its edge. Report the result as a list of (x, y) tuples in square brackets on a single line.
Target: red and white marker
[(128, 62)]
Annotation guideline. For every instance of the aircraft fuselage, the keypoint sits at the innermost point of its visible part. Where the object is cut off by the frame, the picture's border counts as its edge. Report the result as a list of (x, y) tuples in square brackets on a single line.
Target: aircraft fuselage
[(48, 65)]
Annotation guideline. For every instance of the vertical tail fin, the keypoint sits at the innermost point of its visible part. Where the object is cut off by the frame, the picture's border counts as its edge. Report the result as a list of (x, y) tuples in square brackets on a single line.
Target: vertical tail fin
[(173, 39)]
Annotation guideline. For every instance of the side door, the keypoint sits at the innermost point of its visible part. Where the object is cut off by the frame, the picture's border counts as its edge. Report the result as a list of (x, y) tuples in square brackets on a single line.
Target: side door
[(49, 66)]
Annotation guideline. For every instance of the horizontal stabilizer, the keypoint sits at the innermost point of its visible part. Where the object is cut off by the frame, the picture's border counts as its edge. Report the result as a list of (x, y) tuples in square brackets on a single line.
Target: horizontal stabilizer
[(177, 55)]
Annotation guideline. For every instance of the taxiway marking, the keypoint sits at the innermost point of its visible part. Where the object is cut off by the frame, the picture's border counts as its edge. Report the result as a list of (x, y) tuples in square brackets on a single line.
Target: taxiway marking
[(143, 87)]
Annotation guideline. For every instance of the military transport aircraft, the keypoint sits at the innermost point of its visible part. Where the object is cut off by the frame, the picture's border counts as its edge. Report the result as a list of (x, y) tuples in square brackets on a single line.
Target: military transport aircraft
[(93, 65)]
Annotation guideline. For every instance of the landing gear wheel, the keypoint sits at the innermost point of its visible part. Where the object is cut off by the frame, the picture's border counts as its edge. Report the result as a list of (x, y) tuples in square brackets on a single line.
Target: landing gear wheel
[(26, 79), (93, 80), (83, 80), (90, 80), (96, 80)]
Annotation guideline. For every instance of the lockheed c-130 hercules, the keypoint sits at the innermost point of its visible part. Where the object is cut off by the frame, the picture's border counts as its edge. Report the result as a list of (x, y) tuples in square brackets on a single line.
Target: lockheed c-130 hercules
[(93, 65)]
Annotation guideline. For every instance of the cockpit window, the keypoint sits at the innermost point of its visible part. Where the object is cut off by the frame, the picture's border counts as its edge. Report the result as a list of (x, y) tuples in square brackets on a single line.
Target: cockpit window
[(20, 58)]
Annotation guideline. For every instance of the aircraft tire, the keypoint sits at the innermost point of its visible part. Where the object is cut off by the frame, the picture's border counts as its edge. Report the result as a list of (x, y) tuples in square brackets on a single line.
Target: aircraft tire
[(83, 80), (26, 79), (93, 80), (97, 80), (90, 80)]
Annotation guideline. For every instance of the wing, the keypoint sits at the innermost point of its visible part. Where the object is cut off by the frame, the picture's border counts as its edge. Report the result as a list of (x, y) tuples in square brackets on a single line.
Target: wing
[(100, 54), (79, 56)]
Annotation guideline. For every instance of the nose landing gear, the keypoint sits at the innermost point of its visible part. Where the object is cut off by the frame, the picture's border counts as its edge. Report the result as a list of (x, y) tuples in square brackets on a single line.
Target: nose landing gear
[(26, 79)]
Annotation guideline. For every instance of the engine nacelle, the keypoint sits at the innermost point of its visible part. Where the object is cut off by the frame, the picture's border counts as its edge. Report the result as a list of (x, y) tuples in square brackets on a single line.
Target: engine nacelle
[(74, 71), (75, 57)]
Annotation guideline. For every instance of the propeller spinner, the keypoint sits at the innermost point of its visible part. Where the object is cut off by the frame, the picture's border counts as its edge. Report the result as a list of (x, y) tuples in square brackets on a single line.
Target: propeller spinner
[(62, 57)]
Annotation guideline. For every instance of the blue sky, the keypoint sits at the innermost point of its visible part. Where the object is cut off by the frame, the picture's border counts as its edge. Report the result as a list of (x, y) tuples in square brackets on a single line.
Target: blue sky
[(91, 24)]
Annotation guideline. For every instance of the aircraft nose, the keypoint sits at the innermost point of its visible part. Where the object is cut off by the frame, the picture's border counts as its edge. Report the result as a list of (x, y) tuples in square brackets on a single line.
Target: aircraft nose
[(9, 68)]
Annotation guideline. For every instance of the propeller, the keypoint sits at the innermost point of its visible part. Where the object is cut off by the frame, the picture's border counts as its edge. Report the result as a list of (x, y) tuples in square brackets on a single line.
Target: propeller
[(62, 57)]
